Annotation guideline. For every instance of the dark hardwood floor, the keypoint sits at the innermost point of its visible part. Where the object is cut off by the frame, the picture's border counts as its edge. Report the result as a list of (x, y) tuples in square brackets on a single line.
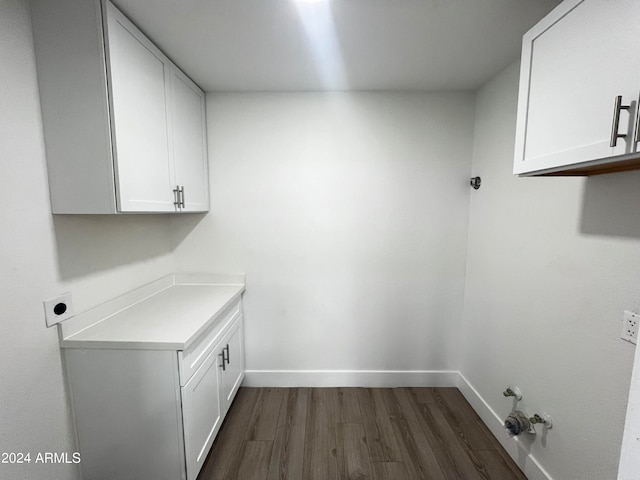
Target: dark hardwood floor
[(355, 433)]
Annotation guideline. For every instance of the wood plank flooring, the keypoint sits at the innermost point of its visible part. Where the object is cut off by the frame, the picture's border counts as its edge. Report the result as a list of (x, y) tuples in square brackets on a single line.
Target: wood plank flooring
[(355, 434)]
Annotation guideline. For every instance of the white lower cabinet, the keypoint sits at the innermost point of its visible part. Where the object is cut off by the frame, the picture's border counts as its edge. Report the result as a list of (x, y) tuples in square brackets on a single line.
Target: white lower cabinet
[(208, 394), (154, 414), (233, 372), (201, 413)]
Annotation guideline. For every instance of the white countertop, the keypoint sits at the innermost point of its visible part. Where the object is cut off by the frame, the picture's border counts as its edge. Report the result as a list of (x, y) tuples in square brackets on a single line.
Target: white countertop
[(167, 320)]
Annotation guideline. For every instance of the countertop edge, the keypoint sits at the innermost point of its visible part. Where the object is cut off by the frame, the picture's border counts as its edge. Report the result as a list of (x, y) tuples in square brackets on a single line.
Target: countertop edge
[(213, 318)]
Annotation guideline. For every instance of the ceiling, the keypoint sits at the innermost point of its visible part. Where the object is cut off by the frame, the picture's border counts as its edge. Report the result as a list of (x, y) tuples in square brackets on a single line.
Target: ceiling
[(333, 45)]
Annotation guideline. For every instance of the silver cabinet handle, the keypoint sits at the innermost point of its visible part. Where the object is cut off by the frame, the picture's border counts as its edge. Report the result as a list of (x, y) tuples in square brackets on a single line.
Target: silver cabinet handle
[(617, 106), (226, 349), (636, 134), (176, 196)]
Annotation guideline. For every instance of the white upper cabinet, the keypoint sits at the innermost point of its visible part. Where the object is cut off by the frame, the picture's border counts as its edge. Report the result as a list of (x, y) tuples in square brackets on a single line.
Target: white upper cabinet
[(189, 143), (576, 63), (138, 75), (124, 128)]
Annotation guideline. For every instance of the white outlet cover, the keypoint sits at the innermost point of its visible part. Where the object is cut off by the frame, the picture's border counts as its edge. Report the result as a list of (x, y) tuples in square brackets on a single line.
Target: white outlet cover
[(630, 321), (58, 309)]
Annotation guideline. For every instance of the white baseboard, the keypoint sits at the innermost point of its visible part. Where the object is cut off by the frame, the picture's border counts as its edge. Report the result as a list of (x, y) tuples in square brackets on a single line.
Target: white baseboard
[(514, 447), (351, 378)]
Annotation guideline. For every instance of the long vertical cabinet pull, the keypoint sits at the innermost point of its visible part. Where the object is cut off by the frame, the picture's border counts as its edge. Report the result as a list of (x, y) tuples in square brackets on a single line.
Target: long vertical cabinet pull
[(223, 366), (617, 106), (176, 196), (225, 357), (636, 133), (227, 350)]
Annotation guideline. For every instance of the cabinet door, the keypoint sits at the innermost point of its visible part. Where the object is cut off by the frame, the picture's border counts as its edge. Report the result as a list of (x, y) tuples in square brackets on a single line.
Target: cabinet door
[(575, 62), (233, 373), (138, 73), (201, 413), (188, 124)]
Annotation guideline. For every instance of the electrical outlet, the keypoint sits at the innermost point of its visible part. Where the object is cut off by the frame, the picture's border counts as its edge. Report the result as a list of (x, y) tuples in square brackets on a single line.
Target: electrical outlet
[(58, 309), (630, 327)]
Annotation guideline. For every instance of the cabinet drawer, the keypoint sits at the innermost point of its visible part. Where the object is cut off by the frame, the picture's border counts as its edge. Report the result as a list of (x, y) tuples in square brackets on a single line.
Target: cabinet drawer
[(190, 359)]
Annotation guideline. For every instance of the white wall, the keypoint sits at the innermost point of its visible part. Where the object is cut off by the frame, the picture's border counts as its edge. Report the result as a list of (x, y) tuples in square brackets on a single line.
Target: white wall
[(41, 257), (348, 213), (552, 264)]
